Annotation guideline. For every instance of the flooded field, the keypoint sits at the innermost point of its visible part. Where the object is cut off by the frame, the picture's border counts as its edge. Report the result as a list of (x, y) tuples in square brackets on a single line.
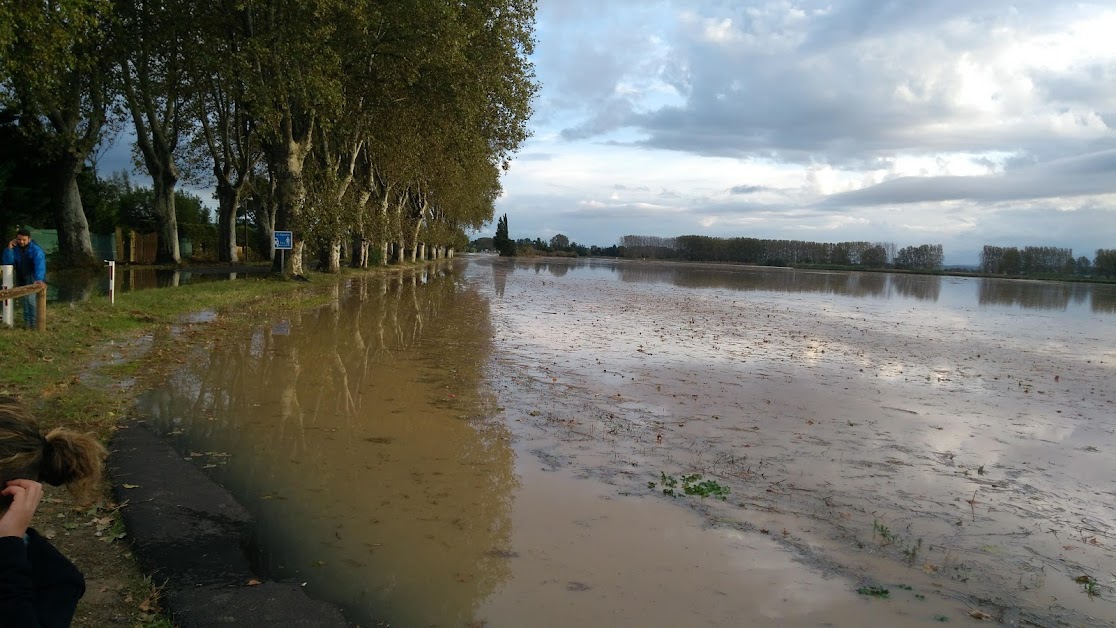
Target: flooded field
[(492, 443)]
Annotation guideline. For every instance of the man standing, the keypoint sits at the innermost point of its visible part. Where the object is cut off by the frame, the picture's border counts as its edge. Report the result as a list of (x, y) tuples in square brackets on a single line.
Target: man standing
[(30, 268)]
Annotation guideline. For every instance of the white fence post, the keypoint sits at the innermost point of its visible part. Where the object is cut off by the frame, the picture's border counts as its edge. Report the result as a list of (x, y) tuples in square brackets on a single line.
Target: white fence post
[(112, 280), (7, 282)]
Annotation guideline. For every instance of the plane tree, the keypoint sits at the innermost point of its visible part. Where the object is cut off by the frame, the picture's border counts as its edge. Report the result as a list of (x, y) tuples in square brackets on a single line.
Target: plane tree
[(56, 75)]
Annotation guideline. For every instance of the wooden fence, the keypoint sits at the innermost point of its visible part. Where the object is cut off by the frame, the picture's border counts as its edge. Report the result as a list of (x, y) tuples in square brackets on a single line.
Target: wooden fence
[(39, 290)]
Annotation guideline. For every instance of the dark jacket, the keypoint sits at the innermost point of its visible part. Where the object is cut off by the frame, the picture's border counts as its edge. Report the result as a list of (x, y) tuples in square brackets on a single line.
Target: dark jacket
[(30, 263), (39, 587)]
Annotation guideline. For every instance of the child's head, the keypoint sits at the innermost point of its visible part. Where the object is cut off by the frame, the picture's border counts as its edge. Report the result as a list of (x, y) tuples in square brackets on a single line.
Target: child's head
[(61, 457)]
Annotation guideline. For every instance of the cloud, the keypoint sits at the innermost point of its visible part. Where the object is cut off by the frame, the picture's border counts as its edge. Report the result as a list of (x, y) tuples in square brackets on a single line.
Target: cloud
[(868, 80), (746, 189), (951, 121), (1085, 175)]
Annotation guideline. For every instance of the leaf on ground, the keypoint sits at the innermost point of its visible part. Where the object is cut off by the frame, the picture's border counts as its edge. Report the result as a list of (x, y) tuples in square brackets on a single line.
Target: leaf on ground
[(981, 615), (254, 583), (145, 605), (130, 485)]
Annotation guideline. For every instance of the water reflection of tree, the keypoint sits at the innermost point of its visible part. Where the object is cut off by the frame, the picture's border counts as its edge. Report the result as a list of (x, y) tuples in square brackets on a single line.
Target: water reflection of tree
[(1043, 295), (558, 269), (500, 274), (1104, 299), (921, 287), (364, 431), (759, 279)]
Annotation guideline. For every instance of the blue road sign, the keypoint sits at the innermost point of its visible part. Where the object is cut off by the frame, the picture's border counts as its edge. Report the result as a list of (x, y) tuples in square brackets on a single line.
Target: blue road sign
[(284, 240)]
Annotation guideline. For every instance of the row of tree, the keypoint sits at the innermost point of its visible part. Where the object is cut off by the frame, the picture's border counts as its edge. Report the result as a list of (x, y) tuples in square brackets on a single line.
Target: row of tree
[(1045, 260), (359, 121), (782, 252)]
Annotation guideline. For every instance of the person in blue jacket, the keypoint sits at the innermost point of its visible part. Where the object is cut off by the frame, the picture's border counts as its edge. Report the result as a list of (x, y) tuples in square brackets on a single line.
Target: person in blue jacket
[(39, 587), (30, 268)]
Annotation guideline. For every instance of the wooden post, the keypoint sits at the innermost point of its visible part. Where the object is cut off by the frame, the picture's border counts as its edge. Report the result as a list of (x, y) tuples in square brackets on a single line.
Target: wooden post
[(40, 301), (40, 309)]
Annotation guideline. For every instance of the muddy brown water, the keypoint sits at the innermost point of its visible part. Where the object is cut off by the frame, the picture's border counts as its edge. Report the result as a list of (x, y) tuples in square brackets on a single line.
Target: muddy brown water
[(485, 443)]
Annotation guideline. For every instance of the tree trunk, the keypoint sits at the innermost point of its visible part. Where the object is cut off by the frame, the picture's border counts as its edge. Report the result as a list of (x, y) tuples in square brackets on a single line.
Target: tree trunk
[(449, 253), (400, 251), (168, 252), (74, 244), (421, 251), (335, 256), (292, 196), (414, 247), (360, 252), (288, 158), (228, 198)]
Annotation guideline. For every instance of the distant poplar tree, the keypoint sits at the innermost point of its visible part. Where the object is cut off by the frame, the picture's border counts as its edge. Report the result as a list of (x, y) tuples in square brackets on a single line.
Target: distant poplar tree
[(503, 243)]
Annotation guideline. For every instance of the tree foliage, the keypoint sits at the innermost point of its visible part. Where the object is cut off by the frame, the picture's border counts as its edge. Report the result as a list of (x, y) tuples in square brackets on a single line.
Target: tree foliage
[(759, 251), (346, 122), (1104, 264), (923, 257), (1031, 260), (503, 242)]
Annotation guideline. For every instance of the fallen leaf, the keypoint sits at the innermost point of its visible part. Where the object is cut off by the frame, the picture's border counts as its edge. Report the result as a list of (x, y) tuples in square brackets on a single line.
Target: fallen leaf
[(254, 583), (145, 605), (131, 485)]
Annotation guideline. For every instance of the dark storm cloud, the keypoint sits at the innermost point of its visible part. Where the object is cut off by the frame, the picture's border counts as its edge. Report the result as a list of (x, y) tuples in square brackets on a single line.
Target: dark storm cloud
[(746, 189), (1077, 176)]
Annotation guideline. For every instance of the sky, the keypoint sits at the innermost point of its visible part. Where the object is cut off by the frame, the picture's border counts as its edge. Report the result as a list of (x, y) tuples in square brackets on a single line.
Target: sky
[(947, 122)]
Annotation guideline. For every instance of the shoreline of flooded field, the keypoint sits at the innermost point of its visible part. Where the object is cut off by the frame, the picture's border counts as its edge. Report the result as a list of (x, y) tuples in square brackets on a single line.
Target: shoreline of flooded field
[(489, 442)]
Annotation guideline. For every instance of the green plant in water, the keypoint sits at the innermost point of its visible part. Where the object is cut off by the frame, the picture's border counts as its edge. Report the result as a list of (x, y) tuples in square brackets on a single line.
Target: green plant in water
[(875, 591), (1088, 585), (911, 552), (692, 484), (941, 618), (883, 532)]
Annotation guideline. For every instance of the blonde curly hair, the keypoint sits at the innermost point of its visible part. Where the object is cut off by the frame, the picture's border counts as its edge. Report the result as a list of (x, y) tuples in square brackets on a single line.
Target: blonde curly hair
[(61, 457)]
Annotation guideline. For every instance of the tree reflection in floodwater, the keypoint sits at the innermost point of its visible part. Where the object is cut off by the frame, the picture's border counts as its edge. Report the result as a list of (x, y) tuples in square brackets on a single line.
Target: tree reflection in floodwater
[(355, 433), (74, 286), (1040, 295), (1046, 295)]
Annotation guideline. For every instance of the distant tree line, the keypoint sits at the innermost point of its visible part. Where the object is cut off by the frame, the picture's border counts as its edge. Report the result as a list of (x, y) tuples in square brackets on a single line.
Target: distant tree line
[(1045, 260), (355, 125), (559, 245), (1104, 264), (782, 252)]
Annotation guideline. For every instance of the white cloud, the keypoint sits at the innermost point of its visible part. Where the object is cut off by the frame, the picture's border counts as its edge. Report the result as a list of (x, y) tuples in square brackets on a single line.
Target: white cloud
[(947, 121)]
